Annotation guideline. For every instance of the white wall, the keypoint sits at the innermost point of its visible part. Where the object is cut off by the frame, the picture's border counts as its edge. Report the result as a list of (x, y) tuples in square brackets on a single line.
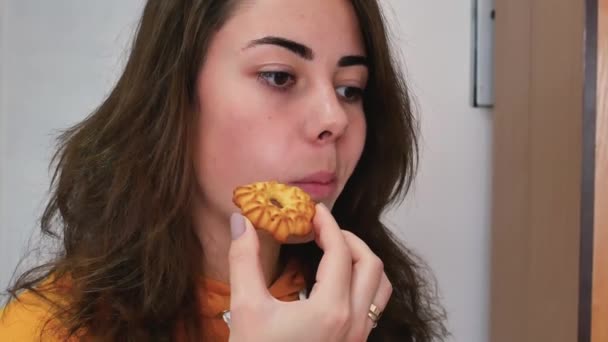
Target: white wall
[(58, 59), (2, 135), (446, 218)]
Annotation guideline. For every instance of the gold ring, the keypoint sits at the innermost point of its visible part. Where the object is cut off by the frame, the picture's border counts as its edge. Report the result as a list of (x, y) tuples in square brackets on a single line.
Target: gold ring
[(374, 314)]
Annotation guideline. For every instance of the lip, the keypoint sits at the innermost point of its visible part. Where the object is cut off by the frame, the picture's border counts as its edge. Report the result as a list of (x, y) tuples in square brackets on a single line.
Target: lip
[(321, 177), (319, 185)]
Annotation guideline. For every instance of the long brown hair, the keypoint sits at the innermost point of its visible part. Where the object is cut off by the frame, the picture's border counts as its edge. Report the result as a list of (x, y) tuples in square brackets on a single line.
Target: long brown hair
[(122, 187)]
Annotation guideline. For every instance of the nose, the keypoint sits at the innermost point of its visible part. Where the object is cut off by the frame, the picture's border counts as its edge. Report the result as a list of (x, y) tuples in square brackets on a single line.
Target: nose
[(328, 120)]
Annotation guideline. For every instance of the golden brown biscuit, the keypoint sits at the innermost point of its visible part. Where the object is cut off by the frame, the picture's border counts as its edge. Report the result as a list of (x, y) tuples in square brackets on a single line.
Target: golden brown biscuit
[(280, 209)]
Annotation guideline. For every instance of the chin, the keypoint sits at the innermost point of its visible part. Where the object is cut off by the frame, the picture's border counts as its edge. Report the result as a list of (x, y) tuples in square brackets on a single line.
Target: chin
[(266, 238), (328, 203)]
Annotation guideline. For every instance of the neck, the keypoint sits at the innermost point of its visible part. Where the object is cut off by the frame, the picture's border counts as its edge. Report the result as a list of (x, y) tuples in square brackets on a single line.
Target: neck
[(213, 232)]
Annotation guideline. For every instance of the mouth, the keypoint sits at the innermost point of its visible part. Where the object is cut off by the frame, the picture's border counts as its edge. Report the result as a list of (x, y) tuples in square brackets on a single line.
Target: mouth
[(320, 185)]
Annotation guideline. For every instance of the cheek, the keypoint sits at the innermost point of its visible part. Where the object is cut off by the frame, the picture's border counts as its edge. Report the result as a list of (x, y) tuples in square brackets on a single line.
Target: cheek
[(356, 141), (352, 146), (362, 133), (235, 146), (218, 163), (222, 146)]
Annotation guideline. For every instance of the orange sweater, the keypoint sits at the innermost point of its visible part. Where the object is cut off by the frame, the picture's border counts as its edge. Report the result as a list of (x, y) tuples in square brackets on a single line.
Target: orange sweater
[(22, 320)]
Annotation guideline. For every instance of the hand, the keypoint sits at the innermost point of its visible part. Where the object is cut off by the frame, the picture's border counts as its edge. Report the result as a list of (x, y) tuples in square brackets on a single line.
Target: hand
[(350, 278)]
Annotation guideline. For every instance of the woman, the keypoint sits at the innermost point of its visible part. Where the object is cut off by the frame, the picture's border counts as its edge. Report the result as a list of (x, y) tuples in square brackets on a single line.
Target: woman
[(216, 94)]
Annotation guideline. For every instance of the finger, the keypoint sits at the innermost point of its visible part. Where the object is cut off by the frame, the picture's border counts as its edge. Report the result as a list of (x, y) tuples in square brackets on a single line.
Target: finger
[(246, 277), (293, 240), (334, 272), (381, 299), (368, 270)]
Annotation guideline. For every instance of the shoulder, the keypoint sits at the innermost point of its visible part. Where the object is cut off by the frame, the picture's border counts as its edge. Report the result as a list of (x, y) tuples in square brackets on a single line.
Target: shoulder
[(24, 318)]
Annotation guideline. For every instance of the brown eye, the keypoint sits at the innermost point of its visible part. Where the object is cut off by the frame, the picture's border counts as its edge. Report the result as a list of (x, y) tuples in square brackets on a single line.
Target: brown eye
[(350, 94), (277, 79)]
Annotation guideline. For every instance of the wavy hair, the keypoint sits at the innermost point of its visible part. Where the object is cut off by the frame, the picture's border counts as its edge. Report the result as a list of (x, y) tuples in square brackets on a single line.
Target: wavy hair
[(123, 182)]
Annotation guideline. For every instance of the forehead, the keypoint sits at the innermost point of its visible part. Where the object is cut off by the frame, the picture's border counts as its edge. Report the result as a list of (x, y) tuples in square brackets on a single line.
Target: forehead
[(320, 24)]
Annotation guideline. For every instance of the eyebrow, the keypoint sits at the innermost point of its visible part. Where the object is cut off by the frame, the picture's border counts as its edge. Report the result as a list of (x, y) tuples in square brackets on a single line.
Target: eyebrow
[(304, 51), (297, 48), (347, 61)]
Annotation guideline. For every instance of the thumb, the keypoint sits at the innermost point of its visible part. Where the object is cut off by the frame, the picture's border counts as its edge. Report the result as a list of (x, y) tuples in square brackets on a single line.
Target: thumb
[(246, 277)]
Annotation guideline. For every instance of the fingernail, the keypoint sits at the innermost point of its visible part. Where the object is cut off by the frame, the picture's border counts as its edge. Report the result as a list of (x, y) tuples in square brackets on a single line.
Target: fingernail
[(237, 225)]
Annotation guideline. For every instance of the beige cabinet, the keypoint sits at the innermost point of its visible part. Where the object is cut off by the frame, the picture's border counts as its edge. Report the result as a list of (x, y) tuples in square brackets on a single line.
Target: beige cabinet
[(549, 268)]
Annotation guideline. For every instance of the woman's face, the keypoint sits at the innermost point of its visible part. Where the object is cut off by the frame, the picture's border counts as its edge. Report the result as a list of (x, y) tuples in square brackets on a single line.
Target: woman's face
[(279, 98)]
